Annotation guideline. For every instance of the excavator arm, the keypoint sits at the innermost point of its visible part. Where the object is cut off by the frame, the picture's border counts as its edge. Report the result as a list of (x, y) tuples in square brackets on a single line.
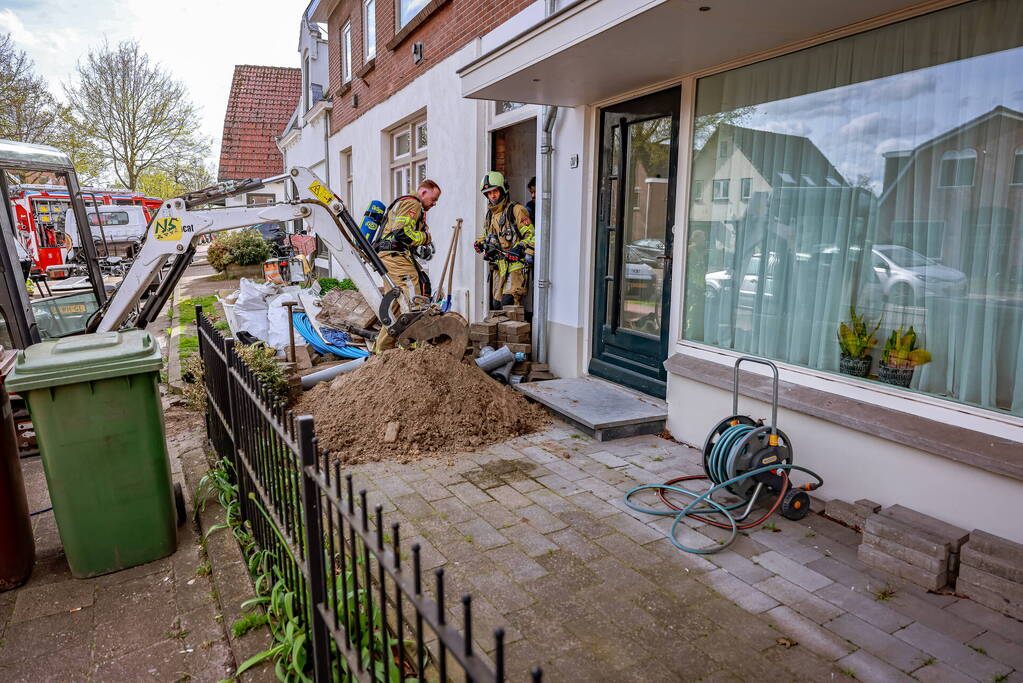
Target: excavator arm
[(177, 227)]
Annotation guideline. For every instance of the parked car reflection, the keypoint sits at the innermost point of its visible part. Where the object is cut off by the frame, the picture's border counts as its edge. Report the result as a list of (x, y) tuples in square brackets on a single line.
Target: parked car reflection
[(907, 276), (648, 251)]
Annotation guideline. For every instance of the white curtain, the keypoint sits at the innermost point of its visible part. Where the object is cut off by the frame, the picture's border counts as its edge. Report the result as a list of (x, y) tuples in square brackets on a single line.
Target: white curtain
[(882, 172)]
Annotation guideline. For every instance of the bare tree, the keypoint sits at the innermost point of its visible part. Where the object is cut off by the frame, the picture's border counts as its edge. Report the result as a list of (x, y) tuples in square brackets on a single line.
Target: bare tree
[(139, 117), (28, 111)]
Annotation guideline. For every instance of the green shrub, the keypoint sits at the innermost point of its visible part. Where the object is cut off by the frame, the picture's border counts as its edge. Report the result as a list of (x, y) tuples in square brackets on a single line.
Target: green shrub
[(241, 247), (329, 283), (261, 360)]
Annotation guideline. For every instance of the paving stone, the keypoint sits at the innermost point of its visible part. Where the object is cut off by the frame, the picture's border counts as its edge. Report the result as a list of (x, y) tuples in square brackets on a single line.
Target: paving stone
[(71, 666), (532, 542), (998, 648), (551, 501), (429, 556), (469, 494), (739, 566), (621, 578), (609, 459), (502, 593), (991, 564), (932, 526), (736, 623), (799, 599), (744, 595), (981, 615), (483, 479), (538, 454), (430, 489), (636, 530), (902, 533), (787, 546), (892, 650), (846, 574), (801, 664), (952, 652), (600, 489), (54, 633), (484, 536), (792, 571), (414, 506), (572, 541), (540, 519), (559, 484), (997, 546), (509, 497), (829, 529), (566, 470), (522, 484), (865, 606), (869, 669), (934, 617), (688, 562), (848, 513), (993, 591), (808, 634), (736, 657), (873, 557), (34, 601), (625, 548), (931, 562), (516, 563), (938, 672), (452, 510)]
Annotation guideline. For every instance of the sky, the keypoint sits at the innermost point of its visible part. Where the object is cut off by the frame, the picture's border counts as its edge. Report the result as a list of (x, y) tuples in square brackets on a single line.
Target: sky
[(199, 43)]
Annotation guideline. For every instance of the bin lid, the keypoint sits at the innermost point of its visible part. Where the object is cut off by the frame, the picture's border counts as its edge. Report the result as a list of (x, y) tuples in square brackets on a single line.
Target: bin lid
[(84, 358)]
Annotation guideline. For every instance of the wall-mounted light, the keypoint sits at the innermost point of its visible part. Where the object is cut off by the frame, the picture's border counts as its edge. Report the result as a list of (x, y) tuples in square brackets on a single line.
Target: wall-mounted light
[(417, 52), (355, 101)]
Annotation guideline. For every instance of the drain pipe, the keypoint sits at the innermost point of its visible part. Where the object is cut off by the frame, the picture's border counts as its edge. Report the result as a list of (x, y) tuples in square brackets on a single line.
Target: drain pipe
[(543, 267)]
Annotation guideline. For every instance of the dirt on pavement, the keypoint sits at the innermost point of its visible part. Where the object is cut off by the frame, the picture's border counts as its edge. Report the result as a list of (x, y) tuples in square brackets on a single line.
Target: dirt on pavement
[(436, 403)]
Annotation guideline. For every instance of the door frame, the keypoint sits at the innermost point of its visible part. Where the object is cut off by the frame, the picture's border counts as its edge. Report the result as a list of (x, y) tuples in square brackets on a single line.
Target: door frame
[(628, 368)]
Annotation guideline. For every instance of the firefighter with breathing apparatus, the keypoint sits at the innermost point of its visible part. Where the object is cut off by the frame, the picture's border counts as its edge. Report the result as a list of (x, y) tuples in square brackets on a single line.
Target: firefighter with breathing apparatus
[(404, 237), (507, 243)]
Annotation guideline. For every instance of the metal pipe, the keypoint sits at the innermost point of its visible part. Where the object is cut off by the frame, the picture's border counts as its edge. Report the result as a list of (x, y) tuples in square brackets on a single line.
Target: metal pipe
[(543, 284)]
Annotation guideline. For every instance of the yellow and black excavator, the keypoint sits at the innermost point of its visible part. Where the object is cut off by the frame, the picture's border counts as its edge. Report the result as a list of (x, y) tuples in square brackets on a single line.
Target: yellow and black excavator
[(170, 243)]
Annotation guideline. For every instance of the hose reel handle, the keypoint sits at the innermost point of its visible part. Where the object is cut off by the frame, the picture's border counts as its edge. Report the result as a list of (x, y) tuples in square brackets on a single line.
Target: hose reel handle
[(774, 393)]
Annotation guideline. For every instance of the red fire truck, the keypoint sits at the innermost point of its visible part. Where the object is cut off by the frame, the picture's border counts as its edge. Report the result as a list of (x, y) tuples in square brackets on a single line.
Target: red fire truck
[(39, 214)]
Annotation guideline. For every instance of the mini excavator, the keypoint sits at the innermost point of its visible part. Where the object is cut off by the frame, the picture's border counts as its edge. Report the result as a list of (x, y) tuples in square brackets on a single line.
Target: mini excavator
[(177, 227)]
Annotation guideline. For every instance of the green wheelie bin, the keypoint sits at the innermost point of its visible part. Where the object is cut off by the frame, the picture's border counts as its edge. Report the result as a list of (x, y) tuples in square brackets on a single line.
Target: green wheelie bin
[(95, 404)]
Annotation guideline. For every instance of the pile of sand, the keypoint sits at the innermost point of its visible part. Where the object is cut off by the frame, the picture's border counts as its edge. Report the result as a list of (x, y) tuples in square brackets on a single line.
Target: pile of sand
[(436, 403)]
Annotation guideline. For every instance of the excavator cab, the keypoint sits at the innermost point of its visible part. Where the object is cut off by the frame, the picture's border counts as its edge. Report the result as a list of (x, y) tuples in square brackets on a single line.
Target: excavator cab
[(24, 319)]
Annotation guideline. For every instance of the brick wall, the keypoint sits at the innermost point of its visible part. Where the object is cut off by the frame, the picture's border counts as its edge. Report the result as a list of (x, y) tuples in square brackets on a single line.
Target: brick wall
[(446, 30)]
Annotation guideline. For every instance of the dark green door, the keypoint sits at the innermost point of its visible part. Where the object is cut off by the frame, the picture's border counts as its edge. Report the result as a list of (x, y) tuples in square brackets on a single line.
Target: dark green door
[(635, 216)]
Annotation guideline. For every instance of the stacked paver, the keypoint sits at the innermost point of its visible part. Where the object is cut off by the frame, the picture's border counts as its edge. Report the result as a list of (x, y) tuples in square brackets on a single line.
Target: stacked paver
[(991, 572), (851, 514), (922, 549), (508, 327)]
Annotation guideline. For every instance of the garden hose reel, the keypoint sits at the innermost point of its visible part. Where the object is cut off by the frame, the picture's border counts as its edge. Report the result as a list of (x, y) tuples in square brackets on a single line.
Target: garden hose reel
[(738, 445)]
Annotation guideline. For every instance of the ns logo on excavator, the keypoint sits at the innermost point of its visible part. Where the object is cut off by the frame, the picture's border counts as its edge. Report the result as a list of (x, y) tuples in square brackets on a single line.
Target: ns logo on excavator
[(167, 229)]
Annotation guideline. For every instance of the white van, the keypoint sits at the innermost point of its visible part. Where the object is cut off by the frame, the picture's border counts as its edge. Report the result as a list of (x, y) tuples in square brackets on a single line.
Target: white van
[(120, 228)]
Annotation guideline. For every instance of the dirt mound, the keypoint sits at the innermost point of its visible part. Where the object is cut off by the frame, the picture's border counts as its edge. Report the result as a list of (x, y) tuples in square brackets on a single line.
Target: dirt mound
[(438, 405)]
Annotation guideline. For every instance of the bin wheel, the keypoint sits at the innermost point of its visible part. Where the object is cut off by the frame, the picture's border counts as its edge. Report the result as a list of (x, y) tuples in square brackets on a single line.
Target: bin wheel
[(179, 504), (795, 505)]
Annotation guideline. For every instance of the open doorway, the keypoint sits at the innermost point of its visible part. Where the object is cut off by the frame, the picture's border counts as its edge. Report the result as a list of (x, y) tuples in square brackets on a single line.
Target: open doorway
[(513, 153)]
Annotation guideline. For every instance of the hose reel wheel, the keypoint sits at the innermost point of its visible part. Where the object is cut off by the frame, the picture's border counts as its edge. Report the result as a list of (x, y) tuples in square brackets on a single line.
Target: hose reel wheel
[(753, 452), (719, 429), (795, 505)]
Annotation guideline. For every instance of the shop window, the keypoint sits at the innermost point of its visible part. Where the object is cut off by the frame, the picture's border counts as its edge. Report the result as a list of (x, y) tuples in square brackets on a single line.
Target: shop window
[(957, 167), (847, 215), (408, 156)]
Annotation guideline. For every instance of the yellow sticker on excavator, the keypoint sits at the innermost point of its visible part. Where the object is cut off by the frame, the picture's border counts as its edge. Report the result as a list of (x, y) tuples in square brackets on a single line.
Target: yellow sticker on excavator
[(168, 229), (321, 193)]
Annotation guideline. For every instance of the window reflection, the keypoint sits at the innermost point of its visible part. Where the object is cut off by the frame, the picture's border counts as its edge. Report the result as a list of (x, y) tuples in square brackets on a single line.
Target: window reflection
[(893, 187)]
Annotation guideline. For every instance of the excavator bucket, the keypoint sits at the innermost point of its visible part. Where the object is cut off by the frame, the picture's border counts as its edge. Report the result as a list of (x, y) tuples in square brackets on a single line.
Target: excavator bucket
[(448, 331)]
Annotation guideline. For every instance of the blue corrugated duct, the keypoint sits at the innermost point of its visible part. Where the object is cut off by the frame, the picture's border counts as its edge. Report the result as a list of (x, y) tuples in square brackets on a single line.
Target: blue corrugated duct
[(309, 333)]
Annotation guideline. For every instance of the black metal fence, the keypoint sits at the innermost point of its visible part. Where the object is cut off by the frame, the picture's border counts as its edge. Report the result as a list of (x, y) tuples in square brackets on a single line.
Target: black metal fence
[(367, 611)]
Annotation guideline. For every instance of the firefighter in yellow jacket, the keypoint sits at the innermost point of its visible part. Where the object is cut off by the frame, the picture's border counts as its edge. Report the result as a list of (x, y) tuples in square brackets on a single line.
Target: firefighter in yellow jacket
[(507, 242), (405, 236)]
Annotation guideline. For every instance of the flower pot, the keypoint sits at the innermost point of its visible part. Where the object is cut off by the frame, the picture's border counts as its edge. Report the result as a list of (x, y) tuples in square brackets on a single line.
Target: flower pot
[(857, 367), (900, 377)]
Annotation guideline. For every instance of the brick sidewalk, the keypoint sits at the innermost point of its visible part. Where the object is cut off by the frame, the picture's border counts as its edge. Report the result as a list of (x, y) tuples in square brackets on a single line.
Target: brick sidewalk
[(536, 530)]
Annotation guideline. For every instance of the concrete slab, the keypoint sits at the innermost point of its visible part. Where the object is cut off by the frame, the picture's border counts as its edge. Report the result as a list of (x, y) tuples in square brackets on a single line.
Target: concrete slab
[(601, 409)]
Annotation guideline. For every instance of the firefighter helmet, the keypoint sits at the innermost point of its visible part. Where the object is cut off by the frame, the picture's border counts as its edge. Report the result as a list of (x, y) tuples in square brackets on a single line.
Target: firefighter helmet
[(493, 180)]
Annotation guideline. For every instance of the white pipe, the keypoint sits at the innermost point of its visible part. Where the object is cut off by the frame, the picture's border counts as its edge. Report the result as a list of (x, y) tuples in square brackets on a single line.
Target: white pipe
[(314, 378)]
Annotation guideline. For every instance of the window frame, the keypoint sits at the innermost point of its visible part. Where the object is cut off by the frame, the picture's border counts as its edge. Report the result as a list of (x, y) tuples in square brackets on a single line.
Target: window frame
[(404, 168), (957, 157), (1017, 165), (398, 26), (745, 188), (346, 52), (266, 197), (718, 183), (369, 33)]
